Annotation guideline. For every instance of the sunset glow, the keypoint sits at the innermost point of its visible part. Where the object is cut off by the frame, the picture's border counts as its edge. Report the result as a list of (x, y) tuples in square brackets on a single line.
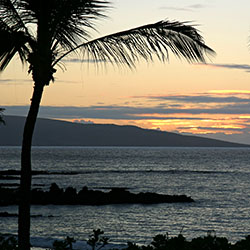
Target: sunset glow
[(210, 99)]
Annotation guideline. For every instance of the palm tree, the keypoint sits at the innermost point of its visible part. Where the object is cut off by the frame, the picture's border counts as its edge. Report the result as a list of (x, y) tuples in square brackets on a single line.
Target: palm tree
[(43, 32)]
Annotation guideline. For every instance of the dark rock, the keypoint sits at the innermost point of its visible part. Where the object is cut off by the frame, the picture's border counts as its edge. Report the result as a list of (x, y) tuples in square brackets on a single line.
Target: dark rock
[(58, 196), (6, 214)]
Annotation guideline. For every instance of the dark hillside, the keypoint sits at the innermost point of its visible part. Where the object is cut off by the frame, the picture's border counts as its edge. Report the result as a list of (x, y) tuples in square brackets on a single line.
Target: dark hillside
[(60, 133)]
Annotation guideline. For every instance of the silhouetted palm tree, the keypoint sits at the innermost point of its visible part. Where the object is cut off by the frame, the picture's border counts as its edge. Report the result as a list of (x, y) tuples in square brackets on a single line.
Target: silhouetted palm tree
[(43, 32)]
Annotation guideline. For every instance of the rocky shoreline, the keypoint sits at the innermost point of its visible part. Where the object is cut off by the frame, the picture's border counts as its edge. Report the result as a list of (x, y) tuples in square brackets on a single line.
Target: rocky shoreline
[(69, 196)]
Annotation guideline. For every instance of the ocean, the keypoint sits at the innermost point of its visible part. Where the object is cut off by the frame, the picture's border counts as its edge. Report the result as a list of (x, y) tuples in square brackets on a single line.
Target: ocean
[(216, 178)]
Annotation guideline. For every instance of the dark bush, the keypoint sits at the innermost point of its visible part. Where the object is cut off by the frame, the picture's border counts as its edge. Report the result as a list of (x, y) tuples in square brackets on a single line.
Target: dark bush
[(8, 243), (210, 243), (63, 245), (242, 244), (160, 242)]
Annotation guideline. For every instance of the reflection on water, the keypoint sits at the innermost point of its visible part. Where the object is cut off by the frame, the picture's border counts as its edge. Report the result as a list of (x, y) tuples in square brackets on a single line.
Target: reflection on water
[(218, 179)]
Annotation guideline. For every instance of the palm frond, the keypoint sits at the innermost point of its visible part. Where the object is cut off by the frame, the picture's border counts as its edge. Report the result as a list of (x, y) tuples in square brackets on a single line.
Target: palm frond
[(75, 18), (15, 37), (10, 15), (14, 42), (127, 47), (64, 21)]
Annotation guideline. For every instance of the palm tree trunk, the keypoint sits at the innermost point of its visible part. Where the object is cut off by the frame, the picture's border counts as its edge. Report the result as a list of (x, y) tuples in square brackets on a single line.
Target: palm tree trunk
[(26, 175)]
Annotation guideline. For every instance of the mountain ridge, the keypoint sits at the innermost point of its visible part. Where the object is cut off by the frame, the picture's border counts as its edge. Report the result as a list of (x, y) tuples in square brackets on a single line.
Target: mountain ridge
[(50, 132)]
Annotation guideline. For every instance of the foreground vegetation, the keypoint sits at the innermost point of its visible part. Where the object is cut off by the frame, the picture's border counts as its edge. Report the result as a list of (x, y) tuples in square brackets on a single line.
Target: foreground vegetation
[(97, 241)]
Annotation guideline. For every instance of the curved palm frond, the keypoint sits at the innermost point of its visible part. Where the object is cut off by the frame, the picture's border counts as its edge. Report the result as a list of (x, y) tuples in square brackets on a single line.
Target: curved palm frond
[(14, 34), (70, 27), (10, 16), (157, 39), (13, 42)]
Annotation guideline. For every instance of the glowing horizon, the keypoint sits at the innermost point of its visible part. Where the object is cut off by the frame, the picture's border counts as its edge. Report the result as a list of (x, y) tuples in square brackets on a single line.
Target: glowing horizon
[(200, 99)]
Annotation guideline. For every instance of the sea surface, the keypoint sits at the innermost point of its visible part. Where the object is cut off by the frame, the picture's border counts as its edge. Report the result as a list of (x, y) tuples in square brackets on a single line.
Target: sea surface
[(218, 179)]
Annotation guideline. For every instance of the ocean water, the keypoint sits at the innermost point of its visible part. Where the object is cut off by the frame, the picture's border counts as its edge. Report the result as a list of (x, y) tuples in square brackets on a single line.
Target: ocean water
[(216, 178)]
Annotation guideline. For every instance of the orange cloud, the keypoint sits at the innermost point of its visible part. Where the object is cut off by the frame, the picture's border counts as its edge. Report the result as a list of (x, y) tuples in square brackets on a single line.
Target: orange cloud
[(230, 92)]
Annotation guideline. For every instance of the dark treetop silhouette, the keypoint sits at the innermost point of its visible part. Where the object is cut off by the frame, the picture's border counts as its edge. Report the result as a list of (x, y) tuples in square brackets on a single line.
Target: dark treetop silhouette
[(43, 32)]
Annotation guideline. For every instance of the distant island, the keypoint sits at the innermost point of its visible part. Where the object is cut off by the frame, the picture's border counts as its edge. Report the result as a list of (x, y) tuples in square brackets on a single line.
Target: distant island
[(50, 132)]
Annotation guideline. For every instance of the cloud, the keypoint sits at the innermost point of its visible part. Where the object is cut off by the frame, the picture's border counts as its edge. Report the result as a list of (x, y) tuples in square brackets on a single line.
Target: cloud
[(82, 121), (187, 8), (213, 128), (245, 67), (128, 112), (197, 6), (15, 81), (229, 92), (201, 99), (9, 81), (176, 8), (225, 118)]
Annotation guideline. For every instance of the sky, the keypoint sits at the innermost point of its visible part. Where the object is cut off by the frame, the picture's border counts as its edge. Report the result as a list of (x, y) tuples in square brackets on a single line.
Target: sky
[(211, 100)]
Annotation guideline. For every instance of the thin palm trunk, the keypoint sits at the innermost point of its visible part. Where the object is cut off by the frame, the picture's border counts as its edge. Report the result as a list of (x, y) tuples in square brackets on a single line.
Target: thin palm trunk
[(1, 118), (25, 183)]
